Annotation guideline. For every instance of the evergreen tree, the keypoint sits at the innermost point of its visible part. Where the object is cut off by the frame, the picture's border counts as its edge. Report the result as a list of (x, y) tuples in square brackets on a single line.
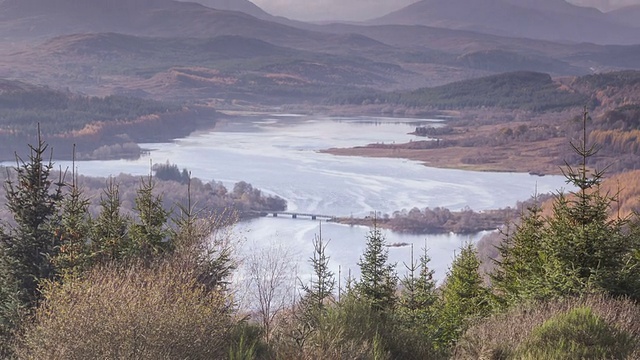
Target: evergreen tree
[(197, 239), (463, 297), (73, 256), (584, 248), (578, 249), (109, 230), (322, 282), (34, 200), (312, 308), (26, 248), (520, 274), (580, 234), (419, 292), (149, 235), (378, 280)]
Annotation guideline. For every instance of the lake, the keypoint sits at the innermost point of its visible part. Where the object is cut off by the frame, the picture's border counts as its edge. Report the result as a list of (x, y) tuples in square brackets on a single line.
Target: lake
[(279, 155)]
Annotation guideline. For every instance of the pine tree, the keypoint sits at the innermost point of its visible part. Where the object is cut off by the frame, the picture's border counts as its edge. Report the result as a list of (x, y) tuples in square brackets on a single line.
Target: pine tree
[(519, 273), (463, 297), (322, 284), (73, 256), (34, 200), (378, 280), (195, 238), (577, 249), (312, 305), (149, 235), (580, 237), (109, 230), (419, 292)]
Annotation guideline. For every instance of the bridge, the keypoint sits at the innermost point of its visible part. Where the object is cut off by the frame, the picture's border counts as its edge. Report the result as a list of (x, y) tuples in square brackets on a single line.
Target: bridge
[(295, 215)]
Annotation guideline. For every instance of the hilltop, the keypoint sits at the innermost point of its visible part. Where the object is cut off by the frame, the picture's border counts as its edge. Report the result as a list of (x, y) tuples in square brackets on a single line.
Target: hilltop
[(554, 20), (38, 19), (244, 6)]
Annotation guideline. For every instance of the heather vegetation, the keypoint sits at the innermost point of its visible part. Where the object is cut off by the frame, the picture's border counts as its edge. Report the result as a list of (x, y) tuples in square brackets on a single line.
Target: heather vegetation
[(160, 285)]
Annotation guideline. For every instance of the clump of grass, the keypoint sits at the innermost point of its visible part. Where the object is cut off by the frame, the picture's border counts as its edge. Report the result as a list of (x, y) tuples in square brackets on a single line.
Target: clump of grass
[(504, 336), (578, 334)]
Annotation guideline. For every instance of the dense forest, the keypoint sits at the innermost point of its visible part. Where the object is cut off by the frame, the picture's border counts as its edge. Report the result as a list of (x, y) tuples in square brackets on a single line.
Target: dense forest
[(517, 90), (23, 106), (564, 285), (101, 127)]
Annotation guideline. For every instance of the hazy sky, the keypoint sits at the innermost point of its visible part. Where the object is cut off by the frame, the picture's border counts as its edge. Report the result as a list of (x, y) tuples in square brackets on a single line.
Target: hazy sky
[(312, 10), (605, 5)]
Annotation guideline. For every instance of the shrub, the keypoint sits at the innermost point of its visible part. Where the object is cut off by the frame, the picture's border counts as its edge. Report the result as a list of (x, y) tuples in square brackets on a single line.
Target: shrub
[(132, 312), (503, 335), (352, 329), (578, 334)]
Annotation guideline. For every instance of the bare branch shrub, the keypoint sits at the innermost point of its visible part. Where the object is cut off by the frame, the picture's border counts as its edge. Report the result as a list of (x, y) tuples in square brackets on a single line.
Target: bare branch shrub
[(132, 312)]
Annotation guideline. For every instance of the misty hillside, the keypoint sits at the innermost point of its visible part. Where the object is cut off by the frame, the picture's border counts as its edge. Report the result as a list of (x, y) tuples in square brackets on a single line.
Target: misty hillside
[(628, 15), (128, 46), (554, 20), (244, 6), (171, 49), (37, 19)]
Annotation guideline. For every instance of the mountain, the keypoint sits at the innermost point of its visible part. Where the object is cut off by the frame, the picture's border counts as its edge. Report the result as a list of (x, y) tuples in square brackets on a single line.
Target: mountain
[(40, 19), (554, 20), (628, 15), (244, 6), (177, 69)]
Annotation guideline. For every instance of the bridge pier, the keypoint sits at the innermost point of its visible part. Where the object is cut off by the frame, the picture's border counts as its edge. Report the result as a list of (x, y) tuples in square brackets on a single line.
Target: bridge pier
[(294, 216), (275, 214)]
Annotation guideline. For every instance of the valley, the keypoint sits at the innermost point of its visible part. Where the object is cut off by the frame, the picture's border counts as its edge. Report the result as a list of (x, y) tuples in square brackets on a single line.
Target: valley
[(474, 158)]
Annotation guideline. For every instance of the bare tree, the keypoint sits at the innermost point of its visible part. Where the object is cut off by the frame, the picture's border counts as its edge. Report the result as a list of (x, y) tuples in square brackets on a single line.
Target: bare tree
[(271, 272)]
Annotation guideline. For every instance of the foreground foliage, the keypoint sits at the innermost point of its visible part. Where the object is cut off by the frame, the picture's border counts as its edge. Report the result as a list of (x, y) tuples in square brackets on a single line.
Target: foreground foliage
[(593, 327), (132, 312)]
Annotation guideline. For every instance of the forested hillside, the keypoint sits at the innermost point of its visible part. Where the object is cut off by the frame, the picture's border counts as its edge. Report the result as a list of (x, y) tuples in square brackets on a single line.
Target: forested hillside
[(518, 91), (23, 106), (101, 127)]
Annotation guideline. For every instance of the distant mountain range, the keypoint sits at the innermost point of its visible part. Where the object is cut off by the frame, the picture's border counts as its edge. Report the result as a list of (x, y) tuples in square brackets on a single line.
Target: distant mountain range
[(233, 49), (554, 20), (28, 19)]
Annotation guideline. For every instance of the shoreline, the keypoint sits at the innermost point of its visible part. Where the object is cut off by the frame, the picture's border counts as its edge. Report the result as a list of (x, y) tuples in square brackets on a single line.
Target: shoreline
[(458, 158)]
